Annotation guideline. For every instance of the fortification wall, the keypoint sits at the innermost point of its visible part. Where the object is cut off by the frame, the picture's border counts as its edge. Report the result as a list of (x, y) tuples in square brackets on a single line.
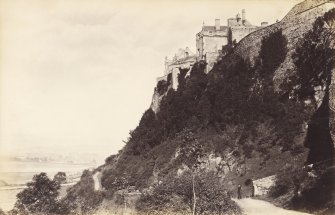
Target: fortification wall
[(303, 6), (300, 19), (238, 33), (262, 185)]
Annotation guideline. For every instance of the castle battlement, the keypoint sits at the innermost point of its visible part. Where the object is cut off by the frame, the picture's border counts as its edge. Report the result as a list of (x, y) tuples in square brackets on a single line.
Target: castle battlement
[(211, 39), (183, 59), (209, 43)]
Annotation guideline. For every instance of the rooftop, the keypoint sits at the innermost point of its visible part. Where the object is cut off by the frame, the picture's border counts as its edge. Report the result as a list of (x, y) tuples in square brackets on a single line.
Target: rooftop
[(212, 28)]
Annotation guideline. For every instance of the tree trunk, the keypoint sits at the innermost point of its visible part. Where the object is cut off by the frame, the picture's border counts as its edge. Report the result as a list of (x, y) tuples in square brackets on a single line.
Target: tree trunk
[(194, 197)]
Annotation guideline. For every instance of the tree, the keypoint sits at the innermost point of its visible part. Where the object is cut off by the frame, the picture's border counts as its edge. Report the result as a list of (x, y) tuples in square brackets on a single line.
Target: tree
[(314, 57), (40, 196), (273, 52), (192, 153), (60, 178), (314, 60)]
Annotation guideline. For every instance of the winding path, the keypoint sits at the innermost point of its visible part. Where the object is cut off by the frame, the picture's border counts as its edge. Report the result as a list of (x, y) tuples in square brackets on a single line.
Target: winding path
[(259, 207), (97, 183)]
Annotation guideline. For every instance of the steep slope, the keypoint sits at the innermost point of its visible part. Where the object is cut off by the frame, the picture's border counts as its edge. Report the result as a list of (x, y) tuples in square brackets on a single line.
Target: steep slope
[(239, 121)]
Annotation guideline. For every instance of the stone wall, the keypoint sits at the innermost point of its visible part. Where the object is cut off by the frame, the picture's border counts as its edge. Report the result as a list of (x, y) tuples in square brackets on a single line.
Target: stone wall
[(213, 44), (238, 33), (262, 186), (211, 47), (300, 19)]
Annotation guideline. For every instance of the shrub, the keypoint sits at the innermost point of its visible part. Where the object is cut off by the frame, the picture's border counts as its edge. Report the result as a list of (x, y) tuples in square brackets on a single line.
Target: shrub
[(82, 198), (289, 179), (175, 194)]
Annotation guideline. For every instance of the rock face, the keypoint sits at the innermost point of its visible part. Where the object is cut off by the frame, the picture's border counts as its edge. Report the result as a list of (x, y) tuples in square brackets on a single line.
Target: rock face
[(156, 100), (332, 105), (299, 20)]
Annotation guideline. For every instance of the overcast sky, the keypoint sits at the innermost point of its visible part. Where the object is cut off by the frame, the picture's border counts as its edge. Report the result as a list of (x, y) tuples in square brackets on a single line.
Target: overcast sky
[(77, 75)]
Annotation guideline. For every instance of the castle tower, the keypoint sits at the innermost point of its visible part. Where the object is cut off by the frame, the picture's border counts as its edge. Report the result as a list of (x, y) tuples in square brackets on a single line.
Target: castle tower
[(217, 24), (243, 16)]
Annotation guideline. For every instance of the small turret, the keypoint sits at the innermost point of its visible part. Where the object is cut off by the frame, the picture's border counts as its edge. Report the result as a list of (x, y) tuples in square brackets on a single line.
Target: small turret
[(217, 24), (243, 16)]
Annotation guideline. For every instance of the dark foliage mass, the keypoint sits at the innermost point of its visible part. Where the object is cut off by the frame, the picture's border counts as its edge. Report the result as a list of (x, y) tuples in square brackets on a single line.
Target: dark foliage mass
[(314, 60), (40, 196), (175, 195), (82, 198)]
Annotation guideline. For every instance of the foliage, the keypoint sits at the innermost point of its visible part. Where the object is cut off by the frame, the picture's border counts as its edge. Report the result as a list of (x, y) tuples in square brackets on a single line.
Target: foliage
[(39, 197), (233, 94), (191, 151), (60, 178), (163, 85), (311, 187), (290, 178), (273, 52), (82, 198), (314, 58), (175, 194), (316, 191)]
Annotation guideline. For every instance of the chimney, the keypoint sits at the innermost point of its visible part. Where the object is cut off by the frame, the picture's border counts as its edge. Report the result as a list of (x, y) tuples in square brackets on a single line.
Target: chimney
[(243, 15), (187, 51), (217, 24), (238, 18)]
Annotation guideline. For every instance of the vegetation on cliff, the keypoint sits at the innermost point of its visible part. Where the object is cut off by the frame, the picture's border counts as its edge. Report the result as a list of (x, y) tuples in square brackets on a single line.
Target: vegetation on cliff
[(233, 94), (314, 59)]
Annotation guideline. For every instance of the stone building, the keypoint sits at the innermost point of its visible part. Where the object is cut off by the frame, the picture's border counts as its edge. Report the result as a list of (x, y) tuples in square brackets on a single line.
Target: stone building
[(183, 59), (211, 39), (209, 43)]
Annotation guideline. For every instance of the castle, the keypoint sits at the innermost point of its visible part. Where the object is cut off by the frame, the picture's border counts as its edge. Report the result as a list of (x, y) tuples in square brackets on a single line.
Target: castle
[(210, 42), (211, 39)]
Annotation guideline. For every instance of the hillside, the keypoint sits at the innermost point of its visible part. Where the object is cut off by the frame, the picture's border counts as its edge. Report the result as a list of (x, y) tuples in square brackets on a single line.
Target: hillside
[(260, 115)]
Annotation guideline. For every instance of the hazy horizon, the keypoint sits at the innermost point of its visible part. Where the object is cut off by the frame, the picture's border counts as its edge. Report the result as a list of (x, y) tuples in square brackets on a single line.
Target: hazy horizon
[(76, 76)]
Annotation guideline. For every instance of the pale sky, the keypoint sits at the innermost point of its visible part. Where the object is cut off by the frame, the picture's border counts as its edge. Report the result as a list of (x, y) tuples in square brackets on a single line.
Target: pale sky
[(77, 75)]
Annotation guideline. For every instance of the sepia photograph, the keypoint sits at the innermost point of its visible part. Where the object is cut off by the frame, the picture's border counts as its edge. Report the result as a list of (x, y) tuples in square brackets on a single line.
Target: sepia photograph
[(167, 107)]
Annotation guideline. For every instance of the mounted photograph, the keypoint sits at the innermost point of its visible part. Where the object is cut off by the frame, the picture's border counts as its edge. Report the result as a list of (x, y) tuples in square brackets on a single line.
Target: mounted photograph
[(167, 107)]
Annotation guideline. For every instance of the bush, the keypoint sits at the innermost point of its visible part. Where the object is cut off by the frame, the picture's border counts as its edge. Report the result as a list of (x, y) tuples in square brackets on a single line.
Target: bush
[(82, 198), (175, 194), (288, 180)]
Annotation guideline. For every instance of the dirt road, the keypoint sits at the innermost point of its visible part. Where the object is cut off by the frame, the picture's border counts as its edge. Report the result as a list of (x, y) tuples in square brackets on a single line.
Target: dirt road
[(258, 207), (97, 184)]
